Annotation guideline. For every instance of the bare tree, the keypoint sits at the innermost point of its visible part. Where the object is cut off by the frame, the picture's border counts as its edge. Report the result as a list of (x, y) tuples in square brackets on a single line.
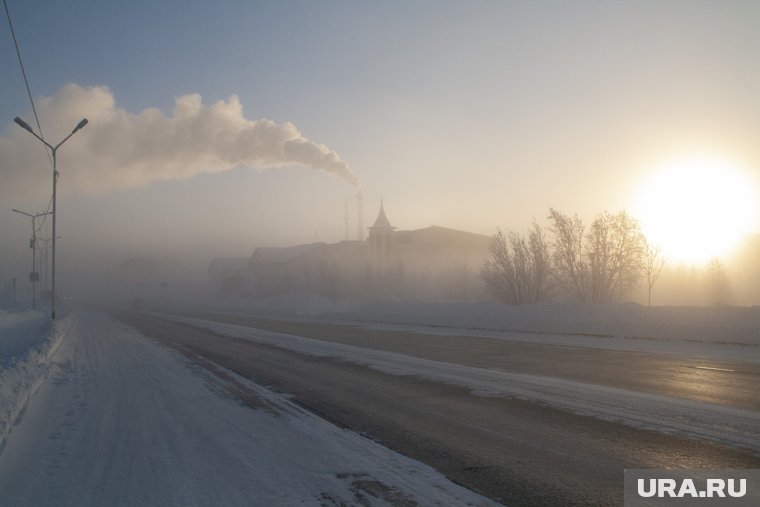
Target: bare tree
[(718, 286), (598, 265), (653, 263), (567, 253), (540, 265), (519, 268)]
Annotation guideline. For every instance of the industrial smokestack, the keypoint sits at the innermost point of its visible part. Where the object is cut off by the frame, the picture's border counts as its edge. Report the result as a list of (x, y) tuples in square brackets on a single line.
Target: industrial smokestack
[(360, 215), (345, 218)]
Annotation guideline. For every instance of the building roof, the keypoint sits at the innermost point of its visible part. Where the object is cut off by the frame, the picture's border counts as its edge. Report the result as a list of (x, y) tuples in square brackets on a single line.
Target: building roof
[(444, 238), (382, 221)]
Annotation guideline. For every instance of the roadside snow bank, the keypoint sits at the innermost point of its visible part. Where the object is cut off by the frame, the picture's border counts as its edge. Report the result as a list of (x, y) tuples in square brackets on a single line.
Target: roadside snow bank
[(723, 324), (10, 318), (27, 343), (712, 324), (20, 331)]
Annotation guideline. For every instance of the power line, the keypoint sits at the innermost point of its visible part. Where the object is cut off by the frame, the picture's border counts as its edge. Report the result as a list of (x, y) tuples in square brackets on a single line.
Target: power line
[(31, 99), (23, 73), (44, 219)]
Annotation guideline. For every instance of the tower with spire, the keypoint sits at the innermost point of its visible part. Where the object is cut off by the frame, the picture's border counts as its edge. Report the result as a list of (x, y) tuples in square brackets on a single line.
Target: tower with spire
[(381, 238)]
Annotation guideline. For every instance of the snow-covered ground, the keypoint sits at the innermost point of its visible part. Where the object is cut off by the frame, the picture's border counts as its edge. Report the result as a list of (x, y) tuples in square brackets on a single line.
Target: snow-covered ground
[(720, 423), (28, 340), (134, 423), (725, 324), (124, 421), (20, 331)]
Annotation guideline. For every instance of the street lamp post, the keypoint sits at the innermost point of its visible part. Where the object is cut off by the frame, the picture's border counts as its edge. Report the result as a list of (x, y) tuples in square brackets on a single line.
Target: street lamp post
[(21, 123), (33, 275), (46, 241)]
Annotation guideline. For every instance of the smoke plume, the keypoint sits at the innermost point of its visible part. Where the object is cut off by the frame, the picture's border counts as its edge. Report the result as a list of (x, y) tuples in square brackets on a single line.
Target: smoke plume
[(118, 149)]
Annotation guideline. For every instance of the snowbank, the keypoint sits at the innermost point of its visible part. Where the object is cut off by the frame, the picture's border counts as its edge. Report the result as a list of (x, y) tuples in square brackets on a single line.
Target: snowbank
[(10, 318), (721, 324), (28, 340), (20, 331), (695, 324)]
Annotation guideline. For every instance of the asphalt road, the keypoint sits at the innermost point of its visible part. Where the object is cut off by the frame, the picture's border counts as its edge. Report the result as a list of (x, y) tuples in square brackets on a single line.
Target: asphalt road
[(732, 383), (515, 451)]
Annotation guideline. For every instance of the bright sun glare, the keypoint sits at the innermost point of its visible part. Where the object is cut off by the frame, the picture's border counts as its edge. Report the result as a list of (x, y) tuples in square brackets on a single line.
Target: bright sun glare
[(697, 209)]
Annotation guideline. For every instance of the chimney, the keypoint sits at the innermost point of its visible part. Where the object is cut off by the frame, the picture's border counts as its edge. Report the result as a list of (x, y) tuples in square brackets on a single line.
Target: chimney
[(345, 218), (360, 216)]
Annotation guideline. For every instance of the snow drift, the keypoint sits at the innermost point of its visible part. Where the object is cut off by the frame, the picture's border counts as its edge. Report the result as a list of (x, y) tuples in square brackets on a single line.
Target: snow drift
[(28, 341)]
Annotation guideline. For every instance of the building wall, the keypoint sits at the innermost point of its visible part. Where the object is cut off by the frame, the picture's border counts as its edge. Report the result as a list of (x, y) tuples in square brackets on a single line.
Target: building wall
[(430, 264)]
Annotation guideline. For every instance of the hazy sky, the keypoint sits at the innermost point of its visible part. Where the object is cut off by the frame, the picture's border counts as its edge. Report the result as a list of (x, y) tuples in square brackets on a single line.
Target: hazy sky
[(467, 114)]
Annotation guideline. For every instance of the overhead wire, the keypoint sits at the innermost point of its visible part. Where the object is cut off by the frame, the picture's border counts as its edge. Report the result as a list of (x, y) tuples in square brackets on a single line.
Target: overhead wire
[(31, 100), (23, 73), (44, 218)]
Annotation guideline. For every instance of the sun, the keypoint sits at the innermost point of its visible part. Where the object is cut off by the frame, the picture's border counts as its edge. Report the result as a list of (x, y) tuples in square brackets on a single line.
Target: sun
[(697, 209)]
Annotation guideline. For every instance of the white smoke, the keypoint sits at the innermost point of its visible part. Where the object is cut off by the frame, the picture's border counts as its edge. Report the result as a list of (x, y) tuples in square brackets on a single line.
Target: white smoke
[(118, 149)]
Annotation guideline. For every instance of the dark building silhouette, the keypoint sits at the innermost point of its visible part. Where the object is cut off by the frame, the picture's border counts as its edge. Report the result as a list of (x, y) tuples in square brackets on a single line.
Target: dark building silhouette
[(435, 263)]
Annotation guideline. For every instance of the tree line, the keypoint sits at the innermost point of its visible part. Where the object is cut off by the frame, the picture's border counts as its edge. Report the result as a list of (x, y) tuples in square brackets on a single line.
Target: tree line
[(596, 264)]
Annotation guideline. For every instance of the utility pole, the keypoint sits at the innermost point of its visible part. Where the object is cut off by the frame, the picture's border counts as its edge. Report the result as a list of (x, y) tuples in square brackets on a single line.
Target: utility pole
[(34, 275), (21, 123), (45, 249)]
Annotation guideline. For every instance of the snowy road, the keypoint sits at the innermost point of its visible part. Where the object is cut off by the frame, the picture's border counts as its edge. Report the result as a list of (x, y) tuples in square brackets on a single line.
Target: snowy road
[(481, 427), (124, 421)]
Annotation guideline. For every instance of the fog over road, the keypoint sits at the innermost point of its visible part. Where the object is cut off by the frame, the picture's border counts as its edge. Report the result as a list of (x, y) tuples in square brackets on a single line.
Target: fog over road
[(518, 451)]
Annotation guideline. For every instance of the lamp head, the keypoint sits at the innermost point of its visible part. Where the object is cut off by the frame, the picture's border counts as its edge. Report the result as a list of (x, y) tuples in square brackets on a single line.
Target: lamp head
[(24, 125), (80, 125)]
